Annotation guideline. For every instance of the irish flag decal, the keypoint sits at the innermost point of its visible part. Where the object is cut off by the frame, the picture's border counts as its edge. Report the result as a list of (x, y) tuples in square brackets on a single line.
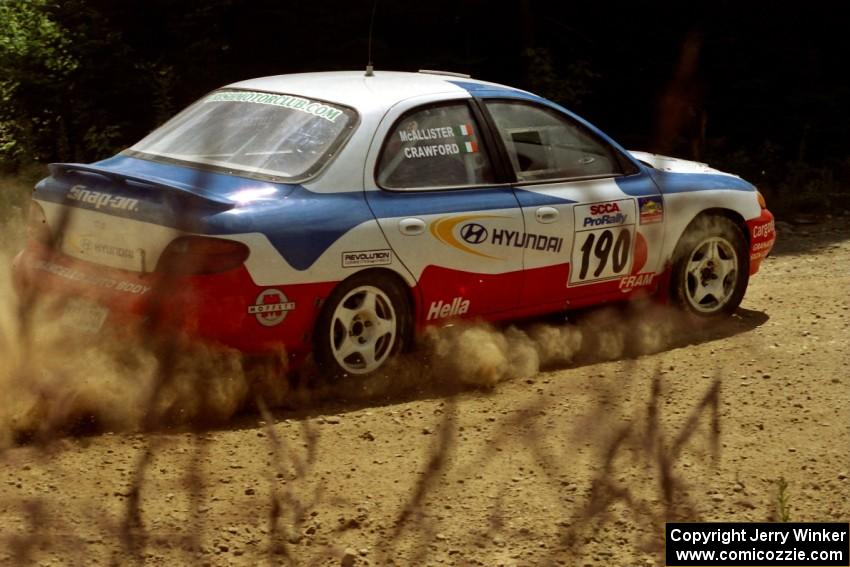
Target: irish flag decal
[(469, 147), (463, 130)]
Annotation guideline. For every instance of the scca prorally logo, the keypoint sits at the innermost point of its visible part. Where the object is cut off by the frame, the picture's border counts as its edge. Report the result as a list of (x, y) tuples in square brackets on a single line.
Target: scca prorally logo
[(271, 307), (473, 233)]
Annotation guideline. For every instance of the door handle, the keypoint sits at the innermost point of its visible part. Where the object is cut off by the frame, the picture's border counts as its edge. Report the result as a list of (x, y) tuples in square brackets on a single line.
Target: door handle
[(546, 215), (411, 227)]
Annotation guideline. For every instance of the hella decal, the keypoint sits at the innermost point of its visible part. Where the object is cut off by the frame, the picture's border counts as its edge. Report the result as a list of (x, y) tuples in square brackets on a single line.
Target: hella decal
[(271, 307), (443, 309), (367, 258), (80, 194)]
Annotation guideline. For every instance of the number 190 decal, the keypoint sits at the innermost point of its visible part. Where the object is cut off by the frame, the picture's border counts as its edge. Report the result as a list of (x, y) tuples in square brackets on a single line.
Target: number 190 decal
[(602, 248)]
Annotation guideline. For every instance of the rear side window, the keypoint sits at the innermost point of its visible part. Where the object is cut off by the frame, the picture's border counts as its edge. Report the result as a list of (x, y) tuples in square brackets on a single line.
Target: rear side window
[(437, 147), (543, 144)]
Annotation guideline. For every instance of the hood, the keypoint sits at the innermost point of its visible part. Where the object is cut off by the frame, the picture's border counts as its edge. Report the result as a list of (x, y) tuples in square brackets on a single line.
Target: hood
[(675, 165)]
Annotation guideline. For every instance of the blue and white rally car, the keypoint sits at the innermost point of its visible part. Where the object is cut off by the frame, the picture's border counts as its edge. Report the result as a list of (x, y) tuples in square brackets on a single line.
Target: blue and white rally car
[(339, 213)]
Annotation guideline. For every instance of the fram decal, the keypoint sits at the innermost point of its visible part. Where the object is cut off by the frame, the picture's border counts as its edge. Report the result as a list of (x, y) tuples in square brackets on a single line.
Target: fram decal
[(367, 258), (271, 307), (651, 209), (99, 200), (443, 309), (628, 283)]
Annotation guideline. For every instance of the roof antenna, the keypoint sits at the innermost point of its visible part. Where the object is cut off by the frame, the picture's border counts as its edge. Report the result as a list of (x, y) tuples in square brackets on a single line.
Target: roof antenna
[(370, 70)]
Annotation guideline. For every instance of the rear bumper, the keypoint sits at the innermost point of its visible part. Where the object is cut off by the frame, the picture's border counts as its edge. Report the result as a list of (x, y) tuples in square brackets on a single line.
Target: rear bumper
[(762, 236), (228, 308)]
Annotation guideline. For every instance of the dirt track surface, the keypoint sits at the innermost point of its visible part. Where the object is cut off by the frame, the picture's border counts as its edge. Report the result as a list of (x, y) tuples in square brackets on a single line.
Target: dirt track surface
[(579, 465)]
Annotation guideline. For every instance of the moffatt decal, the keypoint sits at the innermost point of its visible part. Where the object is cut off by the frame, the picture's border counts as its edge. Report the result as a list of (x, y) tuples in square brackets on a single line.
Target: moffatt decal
[(271, 307)]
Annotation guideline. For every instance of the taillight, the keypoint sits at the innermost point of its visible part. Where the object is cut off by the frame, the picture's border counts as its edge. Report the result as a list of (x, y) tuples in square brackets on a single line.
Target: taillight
[(202, 255), (37, 227), (762, 202)]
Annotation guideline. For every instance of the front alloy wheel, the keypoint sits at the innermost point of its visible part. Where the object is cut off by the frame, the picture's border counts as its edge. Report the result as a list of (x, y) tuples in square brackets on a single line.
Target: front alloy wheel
[(710, 268), (712, 274)]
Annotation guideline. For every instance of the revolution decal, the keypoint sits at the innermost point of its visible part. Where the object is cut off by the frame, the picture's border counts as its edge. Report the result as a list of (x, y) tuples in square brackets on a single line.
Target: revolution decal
[(367, 258), (651, 209), (271, 307), (318, 109)]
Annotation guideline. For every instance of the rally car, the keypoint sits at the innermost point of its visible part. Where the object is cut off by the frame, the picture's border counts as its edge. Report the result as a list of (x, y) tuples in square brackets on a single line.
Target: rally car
[(339, 213)]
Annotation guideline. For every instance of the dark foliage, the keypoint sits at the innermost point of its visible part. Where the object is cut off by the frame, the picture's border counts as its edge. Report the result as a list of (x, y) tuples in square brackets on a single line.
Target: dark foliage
[(756, 88)]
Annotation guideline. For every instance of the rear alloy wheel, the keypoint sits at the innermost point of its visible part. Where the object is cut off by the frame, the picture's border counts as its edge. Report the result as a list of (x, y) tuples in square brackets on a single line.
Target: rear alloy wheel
[(361, 327), (711, 272)]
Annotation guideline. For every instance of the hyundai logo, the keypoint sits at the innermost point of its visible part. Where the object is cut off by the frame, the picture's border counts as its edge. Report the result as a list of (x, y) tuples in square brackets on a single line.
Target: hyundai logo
[(473, 233)]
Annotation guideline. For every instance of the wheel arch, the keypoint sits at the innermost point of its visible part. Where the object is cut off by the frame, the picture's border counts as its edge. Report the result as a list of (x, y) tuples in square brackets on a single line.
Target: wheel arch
[(734, 216)]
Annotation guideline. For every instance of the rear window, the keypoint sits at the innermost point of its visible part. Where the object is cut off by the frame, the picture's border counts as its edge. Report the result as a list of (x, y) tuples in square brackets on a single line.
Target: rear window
[(273, 136)]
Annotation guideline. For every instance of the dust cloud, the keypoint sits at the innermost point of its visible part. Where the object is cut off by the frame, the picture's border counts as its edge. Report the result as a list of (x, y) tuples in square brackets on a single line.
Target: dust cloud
[(57, 382), (483, 355)]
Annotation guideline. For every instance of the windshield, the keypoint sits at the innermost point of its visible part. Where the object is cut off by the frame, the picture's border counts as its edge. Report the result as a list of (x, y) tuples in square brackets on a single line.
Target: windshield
[(260, 134)]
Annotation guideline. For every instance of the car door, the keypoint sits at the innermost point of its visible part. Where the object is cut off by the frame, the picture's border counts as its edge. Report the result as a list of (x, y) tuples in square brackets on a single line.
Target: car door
[(593, 218), (436, 197)]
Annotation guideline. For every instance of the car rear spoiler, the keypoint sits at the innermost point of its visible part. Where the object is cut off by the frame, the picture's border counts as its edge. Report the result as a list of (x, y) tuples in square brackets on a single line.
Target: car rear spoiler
[(63, 169)]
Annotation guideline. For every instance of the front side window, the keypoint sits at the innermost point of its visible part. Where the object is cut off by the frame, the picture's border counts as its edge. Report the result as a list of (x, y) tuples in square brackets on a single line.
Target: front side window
[(262, 134), (544, 145), (436, 147)]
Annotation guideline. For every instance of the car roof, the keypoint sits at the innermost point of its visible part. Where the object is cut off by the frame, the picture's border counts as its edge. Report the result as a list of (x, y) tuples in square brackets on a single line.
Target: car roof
[(365, 93)]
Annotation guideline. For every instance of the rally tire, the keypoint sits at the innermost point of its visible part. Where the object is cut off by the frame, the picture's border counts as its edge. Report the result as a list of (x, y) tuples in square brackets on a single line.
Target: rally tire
[(710, 268), (364, 322)]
